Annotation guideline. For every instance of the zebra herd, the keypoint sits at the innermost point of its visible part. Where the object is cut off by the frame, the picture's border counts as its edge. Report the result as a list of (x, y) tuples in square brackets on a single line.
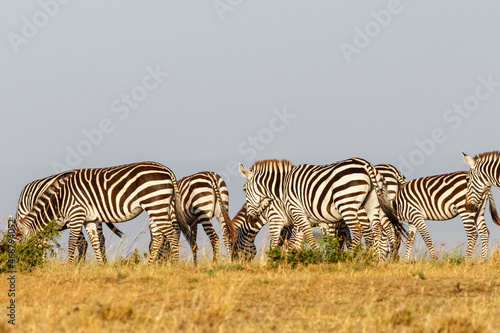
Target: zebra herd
[(351, 198)]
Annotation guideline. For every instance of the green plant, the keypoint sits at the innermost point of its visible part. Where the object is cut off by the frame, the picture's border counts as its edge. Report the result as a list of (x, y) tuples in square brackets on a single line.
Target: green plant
[(29, 254), (331, 250)]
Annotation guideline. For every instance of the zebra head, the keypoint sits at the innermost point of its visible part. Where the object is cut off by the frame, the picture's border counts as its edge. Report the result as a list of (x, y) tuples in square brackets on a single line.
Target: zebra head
[(22, 233), (258, 197), (483, 173)]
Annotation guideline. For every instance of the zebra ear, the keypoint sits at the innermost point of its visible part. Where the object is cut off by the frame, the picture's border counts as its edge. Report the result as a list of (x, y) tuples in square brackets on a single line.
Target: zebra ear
[(469, 160), (244, 171)]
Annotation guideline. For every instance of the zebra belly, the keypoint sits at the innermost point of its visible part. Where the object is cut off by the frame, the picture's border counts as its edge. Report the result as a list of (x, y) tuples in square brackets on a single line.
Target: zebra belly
[(330, 216), (443, 215), (123, 217)]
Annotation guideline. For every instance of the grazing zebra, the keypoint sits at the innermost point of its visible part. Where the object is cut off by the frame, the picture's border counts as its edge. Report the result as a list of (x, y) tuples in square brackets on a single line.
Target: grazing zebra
[(394, 180), (440, 198), (114, 194), (323, 194), (203, 196), (483, 173), (247, 228), (32, 192)]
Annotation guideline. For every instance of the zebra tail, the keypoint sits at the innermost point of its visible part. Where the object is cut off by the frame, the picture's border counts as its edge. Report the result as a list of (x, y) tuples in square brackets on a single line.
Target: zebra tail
[(179, 210), (383, 198), (115, 230), (223, 215), (493, 209)]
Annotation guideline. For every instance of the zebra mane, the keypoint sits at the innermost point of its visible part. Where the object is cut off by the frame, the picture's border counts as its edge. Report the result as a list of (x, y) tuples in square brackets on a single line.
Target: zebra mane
[(486, 156), (48, 195), (272, 164)]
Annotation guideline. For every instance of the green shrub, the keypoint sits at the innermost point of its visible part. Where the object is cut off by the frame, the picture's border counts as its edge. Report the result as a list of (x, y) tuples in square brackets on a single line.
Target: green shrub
[(31, 253), (331, 250)]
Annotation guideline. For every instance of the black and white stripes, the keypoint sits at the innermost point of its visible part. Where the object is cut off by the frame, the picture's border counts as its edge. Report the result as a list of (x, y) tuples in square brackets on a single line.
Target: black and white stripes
[(114, 194), (323, 194), (27, 199), (440, 198)]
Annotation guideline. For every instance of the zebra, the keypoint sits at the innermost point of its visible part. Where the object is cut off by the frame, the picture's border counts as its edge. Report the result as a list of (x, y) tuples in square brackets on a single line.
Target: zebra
[(324, 193), (247, 227), (203, 196), (394, 180), (483, 173), (441, 198), (29, 196), (113, 194), (291, 238)]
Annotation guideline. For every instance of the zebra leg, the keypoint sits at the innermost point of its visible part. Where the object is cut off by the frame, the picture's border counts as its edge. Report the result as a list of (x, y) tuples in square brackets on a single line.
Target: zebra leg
[(212, 236), (155, 243), (412, 231), (94, 240), (484, 233), (424, 232), (302, 223), (81, 246), (194, 245), (366, 230), (75, 228), (275, 227), (377, 231), (102, 242), (164, 250), (162, 223), (470, 230)]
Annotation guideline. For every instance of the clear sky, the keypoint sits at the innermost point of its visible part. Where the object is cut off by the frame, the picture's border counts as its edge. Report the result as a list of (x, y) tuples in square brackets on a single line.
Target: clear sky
[(202, 85)]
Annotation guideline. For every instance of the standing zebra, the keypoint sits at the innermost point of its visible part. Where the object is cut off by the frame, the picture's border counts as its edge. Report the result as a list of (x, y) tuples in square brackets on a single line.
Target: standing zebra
[(394, 180), (28, 198), (483, 173), (203, 196), (324, 194), (441, 198), (114, 194)]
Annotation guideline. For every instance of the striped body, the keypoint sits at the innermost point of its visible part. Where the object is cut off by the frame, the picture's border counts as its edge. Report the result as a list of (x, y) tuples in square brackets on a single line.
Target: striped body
[(321, 194), (439, 198), (27, 199), (203, 196), (394, 179), (114, 194)]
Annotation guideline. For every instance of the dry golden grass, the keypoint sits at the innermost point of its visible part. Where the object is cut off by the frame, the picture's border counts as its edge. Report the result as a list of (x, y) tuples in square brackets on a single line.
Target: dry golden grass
[(426, 296)]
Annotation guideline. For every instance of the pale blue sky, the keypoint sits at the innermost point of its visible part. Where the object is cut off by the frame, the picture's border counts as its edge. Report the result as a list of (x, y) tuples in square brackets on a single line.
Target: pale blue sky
[(370, 79)]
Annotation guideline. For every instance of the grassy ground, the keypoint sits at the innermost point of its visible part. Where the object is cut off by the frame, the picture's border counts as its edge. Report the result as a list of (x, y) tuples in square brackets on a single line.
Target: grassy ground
[(426, 296)]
